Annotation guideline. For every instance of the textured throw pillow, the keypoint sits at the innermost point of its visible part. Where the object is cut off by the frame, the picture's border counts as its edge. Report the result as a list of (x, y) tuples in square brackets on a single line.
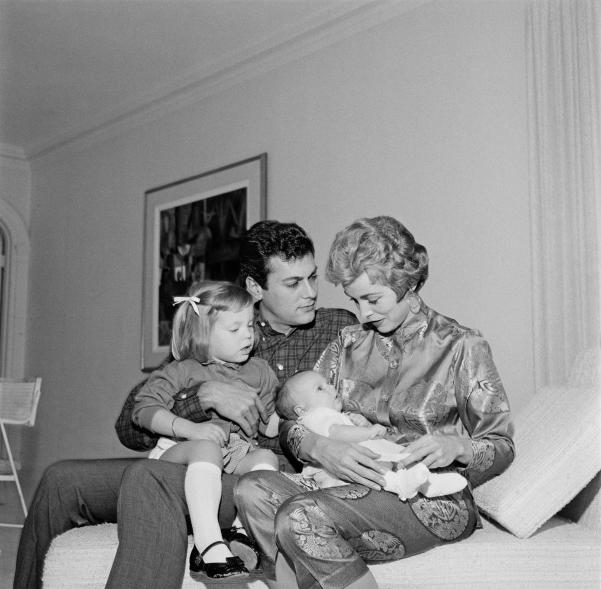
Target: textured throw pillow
[(558, 451), (586, 370)]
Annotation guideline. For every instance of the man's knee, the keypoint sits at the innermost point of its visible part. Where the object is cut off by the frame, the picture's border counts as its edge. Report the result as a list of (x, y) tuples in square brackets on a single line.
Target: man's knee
[(157, 475), (58, 483), (151, 483), (58, 473)]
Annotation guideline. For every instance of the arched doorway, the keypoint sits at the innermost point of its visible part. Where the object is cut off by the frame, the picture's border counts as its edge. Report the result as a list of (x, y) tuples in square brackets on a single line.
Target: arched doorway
[(13, 297)]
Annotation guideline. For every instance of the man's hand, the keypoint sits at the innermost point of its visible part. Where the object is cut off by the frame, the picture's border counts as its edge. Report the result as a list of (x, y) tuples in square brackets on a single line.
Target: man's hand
[(345, 460), (235, 401)]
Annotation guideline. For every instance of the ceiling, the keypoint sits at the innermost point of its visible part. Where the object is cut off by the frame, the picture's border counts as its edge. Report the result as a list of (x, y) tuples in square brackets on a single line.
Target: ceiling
[(69, 67)]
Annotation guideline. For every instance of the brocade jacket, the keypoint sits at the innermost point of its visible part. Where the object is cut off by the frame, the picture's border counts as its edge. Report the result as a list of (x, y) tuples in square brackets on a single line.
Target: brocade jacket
[(430, 376)]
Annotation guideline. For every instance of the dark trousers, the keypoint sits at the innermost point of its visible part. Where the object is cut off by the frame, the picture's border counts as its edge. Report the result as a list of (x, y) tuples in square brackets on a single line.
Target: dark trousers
[(146, 497)]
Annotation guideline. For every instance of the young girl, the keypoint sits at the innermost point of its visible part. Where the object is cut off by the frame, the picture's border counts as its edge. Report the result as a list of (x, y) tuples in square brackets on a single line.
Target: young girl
[(212, 339)]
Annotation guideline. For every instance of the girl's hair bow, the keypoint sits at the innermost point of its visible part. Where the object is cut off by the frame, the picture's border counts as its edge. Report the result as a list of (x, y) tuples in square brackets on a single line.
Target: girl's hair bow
[(193, 301)]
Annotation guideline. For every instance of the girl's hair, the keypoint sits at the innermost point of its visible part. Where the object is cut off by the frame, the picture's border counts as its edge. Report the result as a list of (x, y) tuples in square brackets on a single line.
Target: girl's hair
[(191, 332), (384, 249)]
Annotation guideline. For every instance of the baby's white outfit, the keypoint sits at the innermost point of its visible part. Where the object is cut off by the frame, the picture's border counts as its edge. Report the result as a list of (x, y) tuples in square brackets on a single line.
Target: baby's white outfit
[(404, 482)]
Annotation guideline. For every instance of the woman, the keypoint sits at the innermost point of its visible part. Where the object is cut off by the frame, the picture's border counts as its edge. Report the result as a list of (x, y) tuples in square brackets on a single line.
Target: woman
[(429, 380)]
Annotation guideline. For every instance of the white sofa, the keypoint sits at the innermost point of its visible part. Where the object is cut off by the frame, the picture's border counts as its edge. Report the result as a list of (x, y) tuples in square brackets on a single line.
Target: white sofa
[(529, 538), (560, 554)]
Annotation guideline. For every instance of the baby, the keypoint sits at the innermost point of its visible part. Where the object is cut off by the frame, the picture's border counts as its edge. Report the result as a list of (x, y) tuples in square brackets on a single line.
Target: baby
[(308, 398)]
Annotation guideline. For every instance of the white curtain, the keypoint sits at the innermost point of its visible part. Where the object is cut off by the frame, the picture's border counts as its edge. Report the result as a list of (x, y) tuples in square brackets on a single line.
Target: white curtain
[(564, 61)]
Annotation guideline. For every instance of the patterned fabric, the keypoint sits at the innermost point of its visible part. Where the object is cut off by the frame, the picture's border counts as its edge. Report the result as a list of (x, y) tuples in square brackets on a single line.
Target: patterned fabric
[(331, 534), (302, 347), (285, 354)]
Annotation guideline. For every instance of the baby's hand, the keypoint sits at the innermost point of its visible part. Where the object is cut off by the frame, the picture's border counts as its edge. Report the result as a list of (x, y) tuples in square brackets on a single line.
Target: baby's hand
[(377, 431), (208, 431)]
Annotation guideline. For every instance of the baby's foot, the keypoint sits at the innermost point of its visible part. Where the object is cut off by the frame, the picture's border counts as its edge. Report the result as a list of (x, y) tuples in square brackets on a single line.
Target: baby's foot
[(407, 482), (442, 483)]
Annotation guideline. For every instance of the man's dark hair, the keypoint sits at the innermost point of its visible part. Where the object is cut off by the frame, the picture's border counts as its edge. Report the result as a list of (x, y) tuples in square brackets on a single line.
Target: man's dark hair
[(267, 239)]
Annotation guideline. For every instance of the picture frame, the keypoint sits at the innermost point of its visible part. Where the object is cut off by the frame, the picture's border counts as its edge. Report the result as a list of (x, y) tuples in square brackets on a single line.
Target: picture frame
[(192, 231)]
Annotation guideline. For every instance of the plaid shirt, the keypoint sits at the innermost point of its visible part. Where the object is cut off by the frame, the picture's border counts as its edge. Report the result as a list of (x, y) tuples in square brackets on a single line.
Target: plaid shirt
[(286, 354)]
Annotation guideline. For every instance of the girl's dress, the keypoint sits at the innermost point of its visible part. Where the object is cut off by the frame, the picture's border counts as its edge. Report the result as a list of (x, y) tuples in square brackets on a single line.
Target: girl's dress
[(163, 386)]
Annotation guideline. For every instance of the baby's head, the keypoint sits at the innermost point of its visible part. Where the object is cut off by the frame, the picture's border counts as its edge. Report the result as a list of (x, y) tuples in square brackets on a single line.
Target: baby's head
[(303, 391)]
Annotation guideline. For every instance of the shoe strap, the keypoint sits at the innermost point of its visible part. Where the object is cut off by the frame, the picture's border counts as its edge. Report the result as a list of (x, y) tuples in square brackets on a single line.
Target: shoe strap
[(211, 546)]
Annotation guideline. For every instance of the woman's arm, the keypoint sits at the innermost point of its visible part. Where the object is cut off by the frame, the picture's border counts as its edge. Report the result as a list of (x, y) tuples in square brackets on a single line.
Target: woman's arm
[(344, 460), (484, 411), (485, 445)]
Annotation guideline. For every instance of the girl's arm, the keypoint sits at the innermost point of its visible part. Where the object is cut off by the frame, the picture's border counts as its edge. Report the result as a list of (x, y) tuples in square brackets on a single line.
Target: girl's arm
[(167, 424), (158, 393)]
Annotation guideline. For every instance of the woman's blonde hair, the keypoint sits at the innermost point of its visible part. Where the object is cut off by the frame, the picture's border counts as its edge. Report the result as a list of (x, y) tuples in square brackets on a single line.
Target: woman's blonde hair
[(191, 332), (383, 248)]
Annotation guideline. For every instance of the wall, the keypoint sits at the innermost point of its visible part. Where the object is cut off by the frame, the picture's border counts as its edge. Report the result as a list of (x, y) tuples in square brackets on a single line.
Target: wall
[(15, 185), (422, 118)]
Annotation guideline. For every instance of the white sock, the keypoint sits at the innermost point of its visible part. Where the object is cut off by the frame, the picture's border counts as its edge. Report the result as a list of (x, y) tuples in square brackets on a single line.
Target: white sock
[(202, 486), (406, 482), (443, 483), (261, 466)]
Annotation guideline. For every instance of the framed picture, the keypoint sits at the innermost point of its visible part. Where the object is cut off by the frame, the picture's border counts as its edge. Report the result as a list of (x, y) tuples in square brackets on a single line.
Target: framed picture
[(192, 231)]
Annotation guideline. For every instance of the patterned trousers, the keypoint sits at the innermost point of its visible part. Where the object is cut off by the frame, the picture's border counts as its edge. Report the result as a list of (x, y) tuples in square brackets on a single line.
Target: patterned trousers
[(328, 536)]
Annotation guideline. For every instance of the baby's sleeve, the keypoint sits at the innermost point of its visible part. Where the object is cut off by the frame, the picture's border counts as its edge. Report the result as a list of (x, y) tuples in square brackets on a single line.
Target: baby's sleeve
[(321, 421)]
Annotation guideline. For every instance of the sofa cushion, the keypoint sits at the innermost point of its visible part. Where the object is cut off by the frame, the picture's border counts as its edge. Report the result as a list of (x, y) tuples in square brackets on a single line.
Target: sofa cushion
[(558, 452), (561, 554)]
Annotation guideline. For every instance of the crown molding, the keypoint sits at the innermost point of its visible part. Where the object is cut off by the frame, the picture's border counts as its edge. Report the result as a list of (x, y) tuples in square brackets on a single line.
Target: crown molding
[(328, 28)]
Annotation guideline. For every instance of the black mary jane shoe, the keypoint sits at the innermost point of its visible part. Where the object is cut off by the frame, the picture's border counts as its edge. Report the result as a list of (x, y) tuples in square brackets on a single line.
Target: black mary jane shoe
[(241, 545), (232, 567)]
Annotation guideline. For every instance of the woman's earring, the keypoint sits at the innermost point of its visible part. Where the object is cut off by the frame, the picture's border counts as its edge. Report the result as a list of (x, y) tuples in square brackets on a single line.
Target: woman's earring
[(414, 302)]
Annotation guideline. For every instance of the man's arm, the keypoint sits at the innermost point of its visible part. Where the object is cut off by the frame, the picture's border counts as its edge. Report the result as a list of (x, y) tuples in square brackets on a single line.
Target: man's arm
[(236, 402)]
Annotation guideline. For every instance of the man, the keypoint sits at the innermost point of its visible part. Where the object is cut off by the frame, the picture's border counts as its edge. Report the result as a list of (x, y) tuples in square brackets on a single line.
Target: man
[(146, 497)]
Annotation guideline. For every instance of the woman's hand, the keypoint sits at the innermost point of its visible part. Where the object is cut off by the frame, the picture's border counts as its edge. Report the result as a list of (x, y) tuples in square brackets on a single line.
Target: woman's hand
[(377, 431), (347, 461), (438, 450), (204, 431)]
